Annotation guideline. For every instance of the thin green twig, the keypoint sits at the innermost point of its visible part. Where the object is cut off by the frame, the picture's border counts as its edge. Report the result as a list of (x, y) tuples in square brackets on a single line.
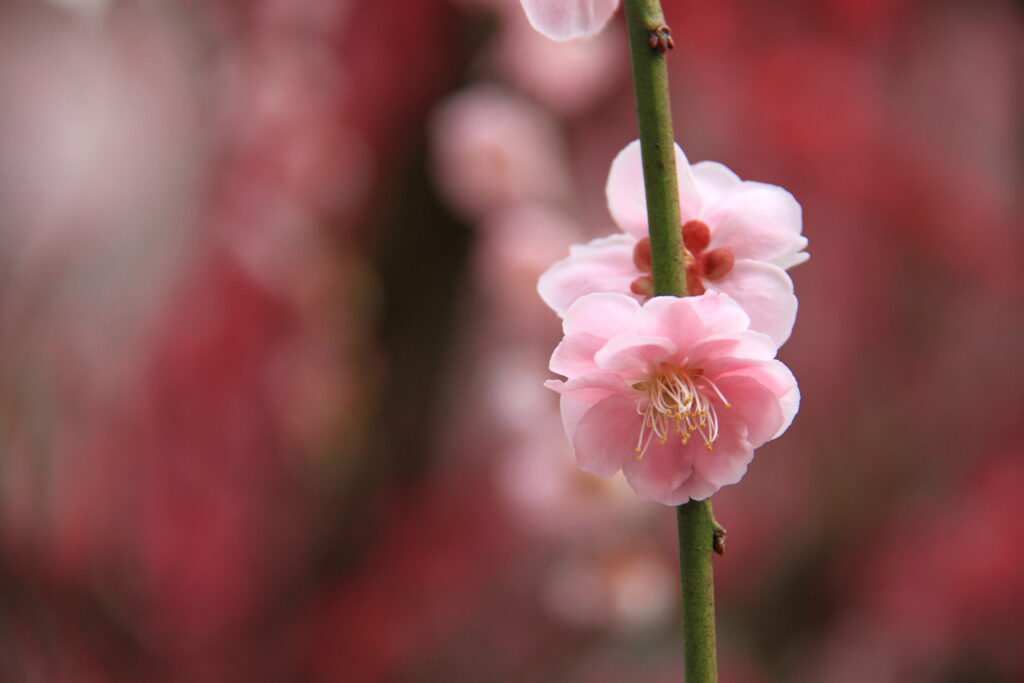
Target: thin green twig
[(649, 40)]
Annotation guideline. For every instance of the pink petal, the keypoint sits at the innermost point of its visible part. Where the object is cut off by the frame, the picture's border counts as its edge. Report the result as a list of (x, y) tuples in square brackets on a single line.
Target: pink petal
[(765, 292), (752, 345), (673, 318), (793, 258), (660, 473), (756, 221), (603, 315), (568, 19), (719, 313), (713, 181), (574, 355), (772, 375), (790, 404), (695, 488), (625, 190), (755, 411), (606, 436), (602, 265), (634, 357), (673, 473), (580, 394), (776, 376), (727, 461)]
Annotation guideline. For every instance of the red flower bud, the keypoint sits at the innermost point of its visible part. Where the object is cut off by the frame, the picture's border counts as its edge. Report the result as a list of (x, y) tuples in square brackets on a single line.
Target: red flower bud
[(643, 286), (718, 263), (696, 235), (642, 255)]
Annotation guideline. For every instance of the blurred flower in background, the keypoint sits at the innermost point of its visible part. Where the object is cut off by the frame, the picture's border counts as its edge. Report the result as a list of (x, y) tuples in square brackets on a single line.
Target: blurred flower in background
[(272, 349)]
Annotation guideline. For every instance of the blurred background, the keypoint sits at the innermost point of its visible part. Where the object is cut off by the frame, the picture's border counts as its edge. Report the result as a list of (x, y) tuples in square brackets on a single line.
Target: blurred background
[(270, 391)]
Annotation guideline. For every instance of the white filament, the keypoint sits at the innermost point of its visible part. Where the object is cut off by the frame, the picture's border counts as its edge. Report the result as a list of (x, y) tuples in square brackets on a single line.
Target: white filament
[(676, 404)]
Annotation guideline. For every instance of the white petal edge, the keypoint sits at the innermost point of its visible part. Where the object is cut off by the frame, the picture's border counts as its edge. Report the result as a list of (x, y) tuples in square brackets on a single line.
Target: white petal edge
[(624, 190), (569, 19), (713, 181), (756, 221), (601, 265), (603, 315), (765, 292)]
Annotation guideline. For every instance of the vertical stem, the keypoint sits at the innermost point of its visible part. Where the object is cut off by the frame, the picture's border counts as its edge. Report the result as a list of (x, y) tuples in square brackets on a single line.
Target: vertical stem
[(644, 22), (657, 146), (696, 539)]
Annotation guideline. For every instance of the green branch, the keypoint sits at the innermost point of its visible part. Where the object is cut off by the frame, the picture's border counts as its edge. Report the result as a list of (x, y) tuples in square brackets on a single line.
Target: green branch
[(696, 539), (699, 534), (646, 23)]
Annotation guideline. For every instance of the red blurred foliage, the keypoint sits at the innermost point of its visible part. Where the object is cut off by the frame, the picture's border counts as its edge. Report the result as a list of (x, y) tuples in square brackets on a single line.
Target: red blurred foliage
[(438, 552)]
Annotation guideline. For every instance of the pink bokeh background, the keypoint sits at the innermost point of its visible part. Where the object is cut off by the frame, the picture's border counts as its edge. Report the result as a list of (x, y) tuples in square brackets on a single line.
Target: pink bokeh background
[(270, 399)]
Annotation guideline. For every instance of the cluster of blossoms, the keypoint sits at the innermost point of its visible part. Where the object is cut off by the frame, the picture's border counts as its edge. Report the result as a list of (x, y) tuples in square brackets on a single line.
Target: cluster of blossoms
[(678, 392), (675, 393)]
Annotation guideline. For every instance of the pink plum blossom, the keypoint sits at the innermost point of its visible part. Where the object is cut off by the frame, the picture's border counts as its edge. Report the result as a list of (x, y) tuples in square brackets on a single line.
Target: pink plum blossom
[(494, 150), (569, 19), (738, 238), (676, 392)]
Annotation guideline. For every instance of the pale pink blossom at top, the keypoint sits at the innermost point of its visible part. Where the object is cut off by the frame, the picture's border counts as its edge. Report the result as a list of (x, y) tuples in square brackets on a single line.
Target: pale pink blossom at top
[(567, 76), (739, 237), (677, 393), (569, 19)]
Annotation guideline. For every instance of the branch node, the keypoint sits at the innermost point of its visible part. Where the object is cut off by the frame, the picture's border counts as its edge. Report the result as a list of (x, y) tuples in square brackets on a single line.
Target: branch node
[(660, 39), (718, 539)]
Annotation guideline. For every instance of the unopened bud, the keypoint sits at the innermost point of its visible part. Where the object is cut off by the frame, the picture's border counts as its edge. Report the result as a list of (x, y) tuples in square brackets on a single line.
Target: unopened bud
[(643, 286), (696, 235), (642, 255), (718, 263)]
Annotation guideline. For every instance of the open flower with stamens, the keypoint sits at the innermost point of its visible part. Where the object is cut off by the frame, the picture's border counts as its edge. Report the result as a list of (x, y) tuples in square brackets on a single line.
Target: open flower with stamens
[(569, 19), (738, 237), (676, 392)]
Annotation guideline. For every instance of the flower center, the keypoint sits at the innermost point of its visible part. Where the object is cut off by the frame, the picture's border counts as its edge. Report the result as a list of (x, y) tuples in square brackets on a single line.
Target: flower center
[(676, 402), (699, 263)]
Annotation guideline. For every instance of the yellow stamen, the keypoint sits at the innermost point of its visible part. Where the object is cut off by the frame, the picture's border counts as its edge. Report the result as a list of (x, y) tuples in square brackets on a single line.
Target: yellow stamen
[(675, 402)]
